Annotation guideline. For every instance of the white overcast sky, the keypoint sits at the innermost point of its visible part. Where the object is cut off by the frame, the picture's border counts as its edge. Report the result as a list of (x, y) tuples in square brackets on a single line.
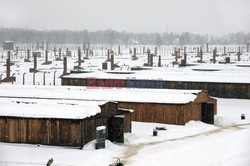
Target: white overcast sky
[(197, 16)]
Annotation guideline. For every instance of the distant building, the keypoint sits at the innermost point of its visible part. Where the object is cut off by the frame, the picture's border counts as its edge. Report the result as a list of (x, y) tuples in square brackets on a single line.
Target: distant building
[(225, 87), (148, 105)]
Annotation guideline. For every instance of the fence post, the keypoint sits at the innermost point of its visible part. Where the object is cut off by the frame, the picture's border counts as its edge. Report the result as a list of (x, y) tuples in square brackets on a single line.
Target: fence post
[(24, 78), (54, 81), (13, 79), (1, 78), (34, 78), (44, 78)]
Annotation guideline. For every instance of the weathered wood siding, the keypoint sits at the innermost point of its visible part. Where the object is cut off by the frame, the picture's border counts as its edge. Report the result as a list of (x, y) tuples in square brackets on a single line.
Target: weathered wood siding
[(216, 89), (154, 112), (3, 128), (127, 122), (61, 132), (192, 111), (40, 131), (12, 129), (169, 113)]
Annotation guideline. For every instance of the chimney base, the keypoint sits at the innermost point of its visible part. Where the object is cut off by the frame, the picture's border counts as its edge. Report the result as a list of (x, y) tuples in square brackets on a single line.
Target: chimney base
[(33, 70), (47, 63), (9, 79), (27, 60)]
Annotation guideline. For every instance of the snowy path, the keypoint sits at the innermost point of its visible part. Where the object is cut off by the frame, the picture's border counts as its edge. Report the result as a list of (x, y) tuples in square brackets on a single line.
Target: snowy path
[(187, 150)]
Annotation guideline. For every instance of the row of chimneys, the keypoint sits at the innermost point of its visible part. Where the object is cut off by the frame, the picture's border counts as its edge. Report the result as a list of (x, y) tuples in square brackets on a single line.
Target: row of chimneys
[(10, 78), (176, 54), (104, 65), (87, 49), (37, 46)]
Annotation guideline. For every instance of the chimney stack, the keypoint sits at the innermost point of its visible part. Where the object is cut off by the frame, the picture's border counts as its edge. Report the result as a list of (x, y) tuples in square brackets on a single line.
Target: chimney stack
[(176, 55), (198, 51), (134, 55), (214, 55), (238, 55), (28, 56), (185, 55), (8, 78), (60, 53), (148, 57), (151, 60), (34, 70), (35, 61), (79, 57), (159, 61), (201, 55), (37, 46), (119, 50), (8, 67), (112, 62), (46, 55), (156, 50), (47, 62), (108, 55), (64, 65)]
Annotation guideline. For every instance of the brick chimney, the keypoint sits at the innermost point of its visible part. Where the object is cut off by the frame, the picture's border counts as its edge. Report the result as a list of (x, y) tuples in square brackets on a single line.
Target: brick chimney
[(159, 61), (112, 62), (64, 65)]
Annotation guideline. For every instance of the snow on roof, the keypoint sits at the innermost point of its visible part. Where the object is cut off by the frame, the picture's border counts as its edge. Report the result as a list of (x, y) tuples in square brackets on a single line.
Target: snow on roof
[(45, 108), (188, 75), (113, 95)]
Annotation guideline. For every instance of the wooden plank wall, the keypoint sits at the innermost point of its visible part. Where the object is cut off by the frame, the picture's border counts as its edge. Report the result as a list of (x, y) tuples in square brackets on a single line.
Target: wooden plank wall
[(169, 113), (154, 112), (90, 130), (192, 111), (62, 132), (40, 131), (224, 90), (3, 128), (127, 122), (12, 129), (216, 89)]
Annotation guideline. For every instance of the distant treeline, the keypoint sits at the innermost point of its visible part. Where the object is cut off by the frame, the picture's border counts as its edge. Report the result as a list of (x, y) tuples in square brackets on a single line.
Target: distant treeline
[(114, 37)]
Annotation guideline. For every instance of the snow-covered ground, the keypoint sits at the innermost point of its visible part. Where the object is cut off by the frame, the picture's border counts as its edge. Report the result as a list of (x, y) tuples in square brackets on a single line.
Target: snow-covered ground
[(225, 143), (237, 71)]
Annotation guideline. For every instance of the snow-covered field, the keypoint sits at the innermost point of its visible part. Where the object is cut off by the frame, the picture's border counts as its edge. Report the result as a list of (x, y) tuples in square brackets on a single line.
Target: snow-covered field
[(237, 71), (225, 143)]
